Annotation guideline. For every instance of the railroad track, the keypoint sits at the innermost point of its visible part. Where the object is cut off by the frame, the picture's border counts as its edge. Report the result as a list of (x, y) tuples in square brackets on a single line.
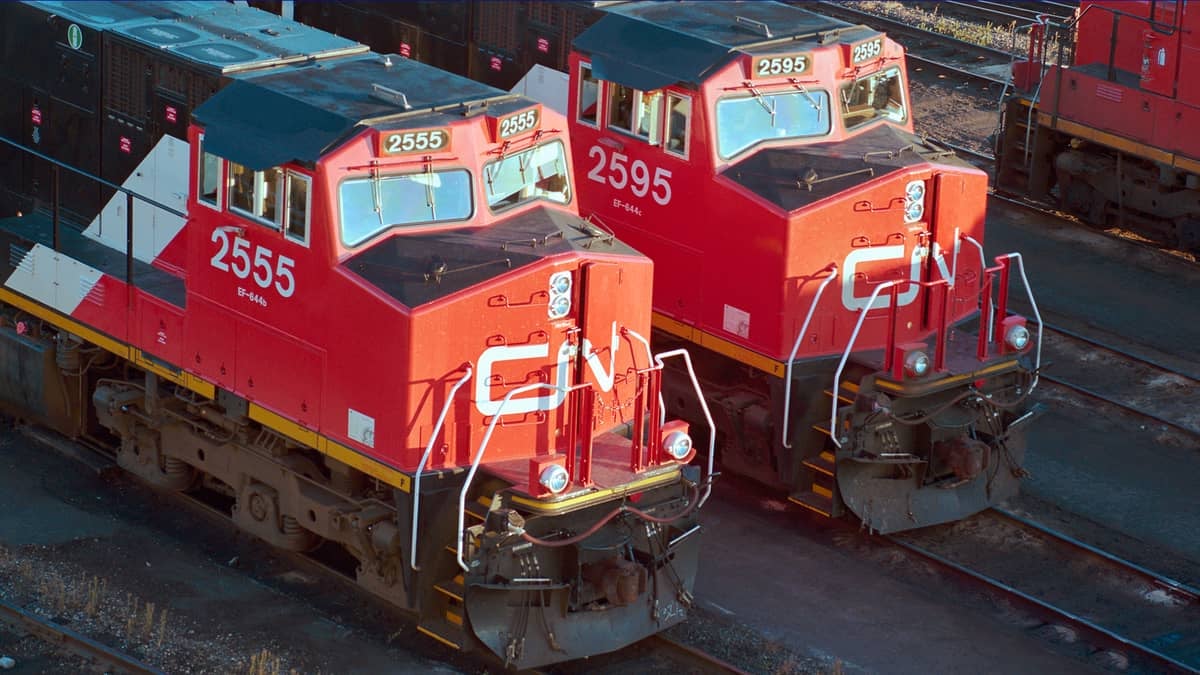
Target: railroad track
[(691, 659), (982, 65), (657, 653), (1171, 393), (1134, 618), (103, 658)]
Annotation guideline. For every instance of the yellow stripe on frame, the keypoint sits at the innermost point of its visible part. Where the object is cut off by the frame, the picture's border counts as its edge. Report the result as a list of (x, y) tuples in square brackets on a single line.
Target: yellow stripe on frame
[(720, 345), (330, 447), (208, 390), (551, 508), (66, 323), (1126, 145)]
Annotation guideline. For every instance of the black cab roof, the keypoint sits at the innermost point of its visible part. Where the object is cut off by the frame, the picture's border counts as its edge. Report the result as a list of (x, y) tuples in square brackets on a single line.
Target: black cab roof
[(300, 112)]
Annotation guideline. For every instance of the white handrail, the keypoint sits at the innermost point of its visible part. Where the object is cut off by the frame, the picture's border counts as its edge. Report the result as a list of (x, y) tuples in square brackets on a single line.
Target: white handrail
[(662, 404), (462, 496), (437, 430), (1037, 360), (837, 377), (787, 391), (712, 428)]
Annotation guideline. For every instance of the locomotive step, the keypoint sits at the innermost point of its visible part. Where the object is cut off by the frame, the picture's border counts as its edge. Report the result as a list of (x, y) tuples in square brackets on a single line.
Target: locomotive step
[(453, 589), (819, 500), (842, 397), (823, 463), (444, 631), (479, 508)]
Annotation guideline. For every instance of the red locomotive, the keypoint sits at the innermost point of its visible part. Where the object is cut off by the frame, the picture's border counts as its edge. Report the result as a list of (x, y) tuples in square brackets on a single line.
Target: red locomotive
[(824, 264), (1107, 129), (377, 321)]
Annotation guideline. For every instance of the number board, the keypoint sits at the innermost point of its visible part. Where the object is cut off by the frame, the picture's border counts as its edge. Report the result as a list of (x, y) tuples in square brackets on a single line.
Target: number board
[(866, 51), (413, 140), (780, 65), (518, 123)]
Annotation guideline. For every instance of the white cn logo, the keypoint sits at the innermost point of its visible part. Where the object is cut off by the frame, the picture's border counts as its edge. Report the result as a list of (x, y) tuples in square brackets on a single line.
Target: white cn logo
[(907, 294), (526, 404)]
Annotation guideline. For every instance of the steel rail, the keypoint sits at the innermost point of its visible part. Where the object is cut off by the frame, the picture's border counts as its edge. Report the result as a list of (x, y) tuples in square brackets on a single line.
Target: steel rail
[(1118, 404), (1099, 633), (1179, 589), (831, 8), (1120, 352), (955, 69), (76, 643), (693, 657)]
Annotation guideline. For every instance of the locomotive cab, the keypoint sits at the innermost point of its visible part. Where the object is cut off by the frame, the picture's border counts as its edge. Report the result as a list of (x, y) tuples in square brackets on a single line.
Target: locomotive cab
[(767, 163)]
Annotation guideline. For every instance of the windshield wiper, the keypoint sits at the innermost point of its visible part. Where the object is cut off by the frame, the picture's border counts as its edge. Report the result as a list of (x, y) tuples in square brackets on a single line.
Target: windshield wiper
[(811, 177), (430, 201), (763, 102), (811, 101), (376, 194)]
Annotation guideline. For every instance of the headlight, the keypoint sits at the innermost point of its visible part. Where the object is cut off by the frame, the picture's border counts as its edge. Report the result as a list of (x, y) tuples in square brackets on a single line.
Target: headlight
[(554, 478), (916, 363), (560, 283), (913, 212), (914, 201), (677, 444), (560, 306), (1017, 337), (560, 295)]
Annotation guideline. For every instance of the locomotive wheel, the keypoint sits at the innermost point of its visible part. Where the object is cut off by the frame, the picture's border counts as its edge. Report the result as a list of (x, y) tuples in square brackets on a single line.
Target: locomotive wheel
[(1079, 198), (1187, 234)]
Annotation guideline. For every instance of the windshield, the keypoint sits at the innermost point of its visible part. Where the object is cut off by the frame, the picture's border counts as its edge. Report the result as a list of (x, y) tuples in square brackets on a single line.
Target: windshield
[(743, 122), (537, 173), (873, 97), (370, 205)]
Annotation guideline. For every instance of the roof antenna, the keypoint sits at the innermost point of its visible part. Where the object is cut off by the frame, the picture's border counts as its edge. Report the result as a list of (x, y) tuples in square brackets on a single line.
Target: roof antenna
[(754, 25), (389, 95)]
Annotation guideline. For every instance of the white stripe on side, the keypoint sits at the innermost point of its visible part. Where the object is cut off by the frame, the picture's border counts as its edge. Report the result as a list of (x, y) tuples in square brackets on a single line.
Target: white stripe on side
[(53, 279), (161, 176)]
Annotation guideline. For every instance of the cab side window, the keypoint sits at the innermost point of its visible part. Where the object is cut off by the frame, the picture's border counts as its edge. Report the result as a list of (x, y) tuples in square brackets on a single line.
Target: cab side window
[(208, 178), (620, 106), (679, 112), (299, 201), (649, 115), (256, 193), (589, 95), (634, 111)]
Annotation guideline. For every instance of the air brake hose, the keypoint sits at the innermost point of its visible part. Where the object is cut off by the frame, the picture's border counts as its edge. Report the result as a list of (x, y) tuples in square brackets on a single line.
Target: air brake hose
[(695, 492)]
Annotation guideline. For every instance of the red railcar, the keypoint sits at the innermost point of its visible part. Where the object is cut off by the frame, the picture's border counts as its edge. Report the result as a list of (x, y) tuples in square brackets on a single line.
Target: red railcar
[(378, 322), (1103, 119)]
